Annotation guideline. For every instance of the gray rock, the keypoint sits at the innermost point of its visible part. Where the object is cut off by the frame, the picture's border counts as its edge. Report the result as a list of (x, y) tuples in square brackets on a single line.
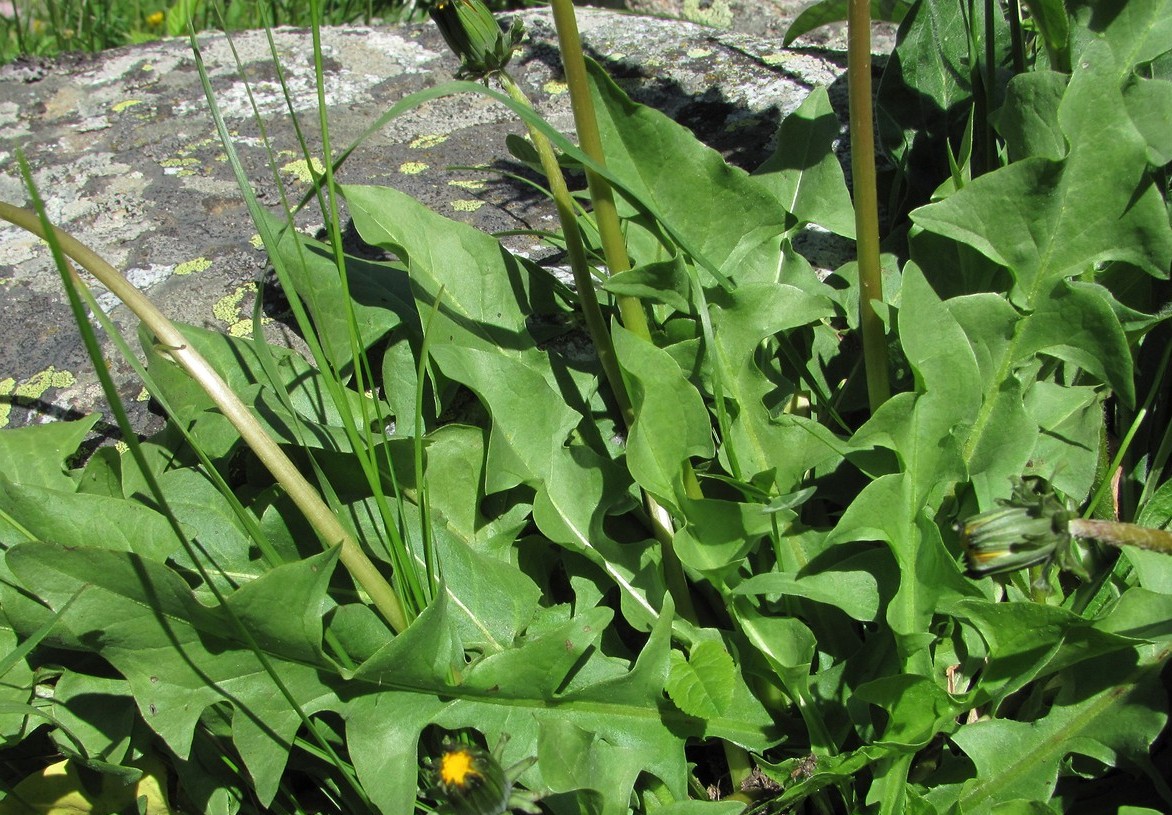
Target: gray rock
[(124, 152)]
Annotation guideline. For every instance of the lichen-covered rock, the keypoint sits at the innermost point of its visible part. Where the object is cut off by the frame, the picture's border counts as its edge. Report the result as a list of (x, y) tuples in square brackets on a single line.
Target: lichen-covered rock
[(124, 152)]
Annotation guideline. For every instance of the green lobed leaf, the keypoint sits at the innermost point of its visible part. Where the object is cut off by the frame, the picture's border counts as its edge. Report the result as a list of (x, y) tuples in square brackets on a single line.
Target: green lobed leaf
[(1028, 120), (855, 591), (182, 658), (671, 420), (494, 600), (84, 520), (1029, 640), (740, 321), (1149, 101), (239, 364), (718, 534), (701, 684), (1047, 219), (1076, 324), (188, 656), (379, 295), (1067, 449), (718, 211), (804, 173), (36, 455), (584, 488), (917, 709), (664, 281), (632, 727), (1138, 31), (479, 334), (1109, 709)]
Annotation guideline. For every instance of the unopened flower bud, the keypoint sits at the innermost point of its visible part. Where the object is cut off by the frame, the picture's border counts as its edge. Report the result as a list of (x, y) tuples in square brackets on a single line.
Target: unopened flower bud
[(475, 36), (1031, 527)]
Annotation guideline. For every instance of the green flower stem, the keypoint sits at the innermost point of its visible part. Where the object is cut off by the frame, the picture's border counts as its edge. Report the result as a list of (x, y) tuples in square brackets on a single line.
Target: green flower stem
[(858, 61), (331, 531), (576, 250), (1016, 40), (614, 249), (1117, 533), (740, 767)]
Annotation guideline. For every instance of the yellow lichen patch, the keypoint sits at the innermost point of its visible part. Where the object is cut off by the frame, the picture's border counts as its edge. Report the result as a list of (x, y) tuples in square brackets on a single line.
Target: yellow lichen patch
[(303, 170), (699, 53), (466, 205), (143, 395), (555, 88), (775, 59), (412, 167), (6, 386), (227, 310), (32, 388), (128, 103), (717, 15), (35, 386), (467, 185), (179, 166), (431, 140), (192, 266), (256, 241)]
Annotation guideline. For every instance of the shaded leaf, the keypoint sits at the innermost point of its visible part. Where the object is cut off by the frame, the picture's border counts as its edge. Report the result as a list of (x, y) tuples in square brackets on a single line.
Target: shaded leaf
[(671, 421), (1109, 710)]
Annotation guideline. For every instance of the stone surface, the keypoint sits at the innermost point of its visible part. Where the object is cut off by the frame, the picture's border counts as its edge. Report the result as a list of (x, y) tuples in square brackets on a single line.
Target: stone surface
[(768, 19), (124, 152)]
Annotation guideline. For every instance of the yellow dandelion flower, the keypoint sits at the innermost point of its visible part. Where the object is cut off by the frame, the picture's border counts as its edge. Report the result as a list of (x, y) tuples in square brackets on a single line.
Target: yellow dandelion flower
[(458, 768), (155, 19)]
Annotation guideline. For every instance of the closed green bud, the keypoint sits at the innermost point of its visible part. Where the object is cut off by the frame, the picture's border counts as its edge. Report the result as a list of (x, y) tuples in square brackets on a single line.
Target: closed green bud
[(1030, 527), (475, 37)]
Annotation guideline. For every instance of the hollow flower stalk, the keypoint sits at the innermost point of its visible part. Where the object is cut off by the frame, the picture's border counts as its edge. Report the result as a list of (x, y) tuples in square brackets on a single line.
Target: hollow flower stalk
[(1033, 526)]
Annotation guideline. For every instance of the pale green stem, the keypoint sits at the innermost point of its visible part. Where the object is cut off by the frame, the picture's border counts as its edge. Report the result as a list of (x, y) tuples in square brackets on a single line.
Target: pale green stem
[(1117, 533), (614, 249), (866, 199), (174, 344), (576, 252)]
